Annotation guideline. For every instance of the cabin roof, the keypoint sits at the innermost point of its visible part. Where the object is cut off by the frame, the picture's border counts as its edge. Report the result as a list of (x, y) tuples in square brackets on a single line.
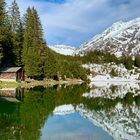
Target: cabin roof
[(10, 69)]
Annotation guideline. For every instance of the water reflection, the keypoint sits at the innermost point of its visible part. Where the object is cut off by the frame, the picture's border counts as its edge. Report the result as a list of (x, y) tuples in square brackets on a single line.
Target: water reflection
[(95, 112), (72, 127), (12, 94)]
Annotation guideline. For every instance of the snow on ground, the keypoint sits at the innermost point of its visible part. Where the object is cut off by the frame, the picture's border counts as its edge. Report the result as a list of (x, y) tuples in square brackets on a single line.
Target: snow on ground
[(63, 49), (103, 73), (64, 109)]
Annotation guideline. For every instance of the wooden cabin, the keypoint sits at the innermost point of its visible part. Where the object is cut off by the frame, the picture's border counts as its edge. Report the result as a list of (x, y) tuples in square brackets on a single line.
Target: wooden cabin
[(12, 74)]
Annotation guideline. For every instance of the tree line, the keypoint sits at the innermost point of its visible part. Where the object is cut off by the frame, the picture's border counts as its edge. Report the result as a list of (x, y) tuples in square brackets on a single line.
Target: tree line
[(22, 44), (100, 57)]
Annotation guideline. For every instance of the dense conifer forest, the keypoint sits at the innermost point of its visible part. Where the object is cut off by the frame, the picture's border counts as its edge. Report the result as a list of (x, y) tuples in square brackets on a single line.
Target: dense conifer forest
[(22, 44)]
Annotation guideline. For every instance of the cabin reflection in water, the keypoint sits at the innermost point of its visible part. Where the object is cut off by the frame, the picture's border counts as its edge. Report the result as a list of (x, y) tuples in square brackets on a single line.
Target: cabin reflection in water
[(12, 94)]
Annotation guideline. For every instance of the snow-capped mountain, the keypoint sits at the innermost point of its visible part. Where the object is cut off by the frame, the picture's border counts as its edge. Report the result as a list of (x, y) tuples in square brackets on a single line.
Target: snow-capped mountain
[(63, 49), (121, 38)]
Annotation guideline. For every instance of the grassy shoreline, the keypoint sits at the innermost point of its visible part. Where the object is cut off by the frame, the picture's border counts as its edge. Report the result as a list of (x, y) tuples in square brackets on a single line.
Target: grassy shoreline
[(38, 83)]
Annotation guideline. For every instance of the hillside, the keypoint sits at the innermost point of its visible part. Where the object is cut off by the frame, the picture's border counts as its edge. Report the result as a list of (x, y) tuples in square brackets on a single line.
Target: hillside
[(121, 38)]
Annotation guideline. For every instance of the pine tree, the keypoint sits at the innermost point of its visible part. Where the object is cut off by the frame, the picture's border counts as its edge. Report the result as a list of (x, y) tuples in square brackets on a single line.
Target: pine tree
[(128, 62), (5, 36), (51, 65), (17, 32), (113, 72), (33, 47), (137, 61), (2, 36)]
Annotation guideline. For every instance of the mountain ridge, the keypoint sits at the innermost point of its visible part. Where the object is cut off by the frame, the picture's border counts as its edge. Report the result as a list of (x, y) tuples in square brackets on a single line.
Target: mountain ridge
[(122, 38)]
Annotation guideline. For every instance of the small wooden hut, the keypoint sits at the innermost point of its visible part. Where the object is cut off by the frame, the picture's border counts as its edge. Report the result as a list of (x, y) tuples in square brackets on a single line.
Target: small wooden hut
[(12, 74)]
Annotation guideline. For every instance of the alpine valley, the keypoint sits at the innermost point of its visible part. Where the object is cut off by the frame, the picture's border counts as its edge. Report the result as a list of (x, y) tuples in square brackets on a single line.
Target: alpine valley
[(60, 92), (122, 40)]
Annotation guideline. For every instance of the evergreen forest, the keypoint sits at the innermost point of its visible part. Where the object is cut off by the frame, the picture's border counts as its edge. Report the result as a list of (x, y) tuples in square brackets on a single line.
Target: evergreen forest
[(22, 44)]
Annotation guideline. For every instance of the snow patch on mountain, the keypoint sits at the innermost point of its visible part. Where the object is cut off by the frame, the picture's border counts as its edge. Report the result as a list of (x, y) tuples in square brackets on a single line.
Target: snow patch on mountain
[(110, 72), (63, 49), (121, 38)]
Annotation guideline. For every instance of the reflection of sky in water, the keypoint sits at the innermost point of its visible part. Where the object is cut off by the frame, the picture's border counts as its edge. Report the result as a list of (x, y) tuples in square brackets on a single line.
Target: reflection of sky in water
[(79, 113), (72, 127)]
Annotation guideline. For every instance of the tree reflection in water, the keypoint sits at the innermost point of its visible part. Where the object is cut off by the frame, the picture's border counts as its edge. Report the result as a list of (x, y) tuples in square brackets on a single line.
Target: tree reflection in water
[(24, 119)]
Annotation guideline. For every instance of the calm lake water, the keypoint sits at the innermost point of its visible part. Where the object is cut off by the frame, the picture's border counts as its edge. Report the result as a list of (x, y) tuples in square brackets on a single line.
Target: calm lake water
[(100, 111)]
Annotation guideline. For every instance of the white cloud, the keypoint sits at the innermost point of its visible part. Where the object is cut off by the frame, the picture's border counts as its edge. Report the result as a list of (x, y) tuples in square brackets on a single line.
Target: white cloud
[(75, 21)]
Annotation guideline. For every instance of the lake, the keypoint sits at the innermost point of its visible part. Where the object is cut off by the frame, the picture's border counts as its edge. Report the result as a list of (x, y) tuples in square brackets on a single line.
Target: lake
[(99, 111)]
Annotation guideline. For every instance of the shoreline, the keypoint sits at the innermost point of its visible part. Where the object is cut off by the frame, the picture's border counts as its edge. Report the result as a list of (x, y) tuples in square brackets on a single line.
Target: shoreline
[(116, 81), (39, 83)]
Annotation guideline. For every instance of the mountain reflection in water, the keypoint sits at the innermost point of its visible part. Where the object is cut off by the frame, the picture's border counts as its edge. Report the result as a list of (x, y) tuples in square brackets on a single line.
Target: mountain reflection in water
[(71, 112)]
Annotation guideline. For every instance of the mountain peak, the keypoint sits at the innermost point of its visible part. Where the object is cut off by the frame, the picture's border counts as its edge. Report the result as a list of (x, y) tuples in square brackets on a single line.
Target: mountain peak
[(121, 38)]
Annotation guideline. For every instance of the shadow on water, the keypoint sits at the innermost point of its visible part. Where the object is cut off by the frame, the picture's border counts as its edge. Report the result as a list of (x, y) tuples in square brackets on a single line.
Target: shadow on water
[(23, 116)]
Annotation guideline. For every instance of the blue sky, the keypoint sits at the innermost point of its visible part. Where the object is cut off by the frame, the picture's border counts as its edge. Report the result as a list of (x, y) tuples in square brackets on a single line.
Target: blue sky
[(72, 22)]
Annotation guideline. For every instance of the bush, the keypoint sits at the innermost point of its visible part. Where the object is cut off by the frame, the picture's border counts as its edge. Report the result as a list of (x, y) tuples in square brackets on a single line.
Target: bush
[(137, 61), (127, 61), (113, 72)]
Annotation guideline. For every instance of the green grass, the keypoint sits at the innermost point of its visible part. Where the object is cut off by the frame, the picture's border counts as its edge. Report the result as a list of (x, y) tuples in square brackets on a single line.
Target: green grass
[(9, 84), (35, 83)]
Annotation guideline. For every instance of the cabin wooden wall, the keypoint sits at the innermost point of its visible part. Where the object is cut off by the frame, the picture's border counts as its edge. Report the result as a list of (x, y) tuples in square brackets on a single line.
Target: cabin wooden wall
[(7, 76), (20, 75)]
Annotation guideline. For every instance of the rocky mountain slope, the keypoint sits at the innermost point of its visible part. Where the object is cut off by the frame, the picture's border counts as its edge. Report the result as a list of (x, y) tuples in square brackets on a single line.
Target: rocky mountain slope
[(63, 49), (121, 38)]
